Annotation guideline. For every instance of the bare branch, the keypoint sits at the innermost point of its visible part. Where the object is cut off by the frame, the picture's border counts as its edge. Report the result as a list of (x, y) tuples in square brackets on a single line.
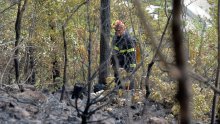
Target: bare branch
[(8, 8), (73, 12)]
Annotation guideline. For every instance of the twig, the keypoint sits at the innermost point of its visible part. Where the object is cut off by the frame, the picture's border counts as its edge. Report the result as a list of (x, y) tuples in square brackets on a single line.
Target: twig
[(7, 8), (203, 80)]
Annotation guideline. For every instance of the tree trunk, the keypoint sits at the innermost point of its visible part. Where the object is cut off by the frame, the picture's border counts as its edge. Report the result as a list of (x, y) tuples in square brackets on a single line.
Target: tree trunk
[(183, 94), (105, 40), (89, 59), (65, 62), (17, 40), (218, 71)]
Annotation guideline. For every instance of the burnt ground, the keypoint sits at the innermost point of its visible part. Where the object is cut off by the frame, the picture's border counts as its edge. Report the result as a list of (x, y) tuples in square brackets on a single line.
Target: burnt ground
[(37, 107)]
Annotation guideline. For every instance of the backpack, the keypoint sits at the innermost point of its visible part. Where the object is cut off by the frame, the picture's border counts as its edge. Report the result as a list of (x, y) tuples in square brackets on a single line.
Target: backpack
[(138, 51)]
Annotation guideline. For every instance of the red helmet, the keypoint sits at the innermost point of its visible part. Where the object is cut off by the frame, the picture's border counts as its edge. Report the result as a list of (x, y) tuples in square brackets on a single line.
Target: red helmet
[(117, 24)]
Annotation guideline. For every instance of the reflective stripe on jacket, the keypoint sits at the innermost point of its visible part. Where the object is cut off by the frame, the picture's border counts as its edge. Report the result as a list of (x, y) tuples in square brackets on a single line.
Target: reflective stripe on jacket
[(124, 50)]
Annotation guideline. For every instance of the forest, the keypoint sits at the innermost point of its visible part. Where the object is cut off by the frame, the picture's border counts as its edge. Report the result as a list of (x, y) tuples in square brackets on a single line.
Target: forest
[(49, 48)]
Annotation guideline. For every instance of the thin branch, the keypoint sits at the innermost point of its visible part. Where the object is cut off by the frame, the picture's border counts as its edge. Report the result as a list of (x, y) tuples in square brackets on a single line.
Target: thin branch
[(8, 8), (203, 80), (73, 11)]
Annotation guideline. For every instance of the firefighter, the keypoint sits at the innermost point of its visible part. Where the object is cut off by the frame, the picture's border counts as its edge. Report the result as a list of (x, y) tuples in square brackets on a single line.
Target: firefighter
[(124, 53)]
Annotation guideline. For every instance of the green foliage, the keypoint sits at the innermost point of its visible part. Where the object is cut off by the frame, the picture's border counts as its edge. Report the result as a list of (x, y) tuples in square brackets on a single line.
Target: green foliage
[(165, 92), (52, 87), (202, 101)]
